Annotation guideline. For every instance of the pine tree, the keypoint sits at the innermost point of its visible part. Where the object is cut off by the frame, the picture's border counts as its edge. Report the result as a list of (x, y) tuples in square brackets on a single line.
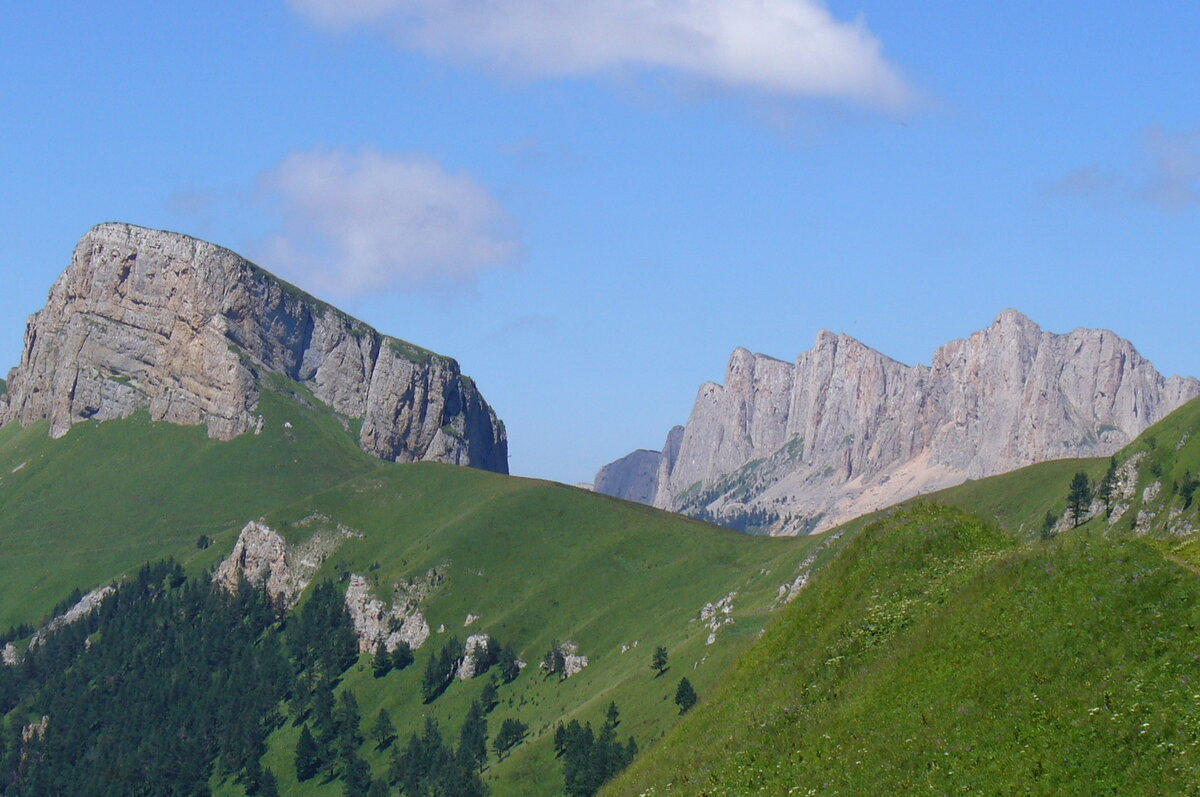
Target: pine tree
[(612, 716), (347, 724), (685, 695), (1107, 485), (382, 663), (357, 777), (1079, 497), (1187, 488), (658, 662), (402, 656), (510, 666), (379, 788), (268, 785), (472, 740), (490, 696), (308, 759), (383, 731), (1048, 524), (511, 732)]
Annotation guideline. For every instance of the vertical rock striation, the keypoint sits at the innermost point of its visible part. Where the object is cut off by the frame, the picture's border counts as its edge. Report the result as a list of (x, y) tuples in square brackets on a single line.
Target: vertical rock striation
[(791, 448), (146, 319)]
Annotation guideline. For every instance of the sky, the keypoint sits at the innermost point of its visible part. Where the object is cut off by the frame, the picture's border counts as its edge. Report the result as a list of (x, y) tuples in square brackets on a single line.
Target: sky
[(590, 204)]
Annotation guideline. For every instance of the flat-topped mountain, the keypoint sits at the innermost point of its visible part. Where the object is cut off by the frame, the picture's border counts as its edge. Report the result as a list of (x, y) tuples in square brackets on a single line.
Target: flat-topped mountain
[(791, 448), (147, 319)]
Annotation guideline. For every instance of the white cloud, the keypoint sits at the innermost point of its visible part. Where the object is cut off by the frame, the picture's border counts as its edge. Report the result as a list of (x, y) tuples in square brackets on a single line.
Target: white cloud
[(355, 223), (784, 47)]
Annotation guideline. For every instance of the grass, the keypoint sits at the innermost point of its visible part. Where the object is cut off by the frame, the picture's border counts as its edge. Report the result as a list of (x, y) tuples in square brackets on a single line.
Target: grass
[(537, 561), (941, 655), (943, 652), (412, 352), (107, 497)]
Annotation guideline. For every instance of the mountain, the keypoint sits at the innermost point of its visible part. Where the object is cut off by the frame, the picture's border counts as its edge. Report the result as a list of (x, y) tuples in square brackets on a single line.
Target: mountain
[(147, 319), (790, 448), (471, 552), (952, 648), (133, 454)]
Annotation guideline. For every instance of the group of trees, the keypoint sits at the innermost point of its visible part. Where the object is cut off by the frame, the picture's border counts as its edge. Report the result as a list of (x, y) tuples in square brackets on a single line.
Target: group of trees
[(441, 670), (171, 682), (428, 765), (168, 682), (384, 661), (589, 759)]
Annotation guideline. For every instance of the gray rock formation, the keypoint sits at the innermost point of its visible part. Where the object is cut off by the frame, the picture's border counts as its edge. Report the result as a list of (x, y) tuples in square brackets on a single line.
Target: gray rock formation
[(263, 558), (158, 320), (82, 608), (376, 621), (790, 448)]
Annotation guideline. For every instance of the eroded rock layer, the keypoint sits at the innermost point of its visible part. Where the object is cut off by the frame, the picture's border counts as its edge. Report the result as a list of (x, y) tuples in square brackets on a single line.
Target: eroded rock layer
[(790, 448), (162, 321)]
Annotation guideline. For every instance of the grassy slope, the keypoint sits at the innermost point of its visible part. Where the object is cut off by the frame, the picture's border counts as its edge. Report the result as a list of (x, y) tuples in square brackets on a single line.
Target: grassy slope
[(942, 653), (107, 497), (537, 562)]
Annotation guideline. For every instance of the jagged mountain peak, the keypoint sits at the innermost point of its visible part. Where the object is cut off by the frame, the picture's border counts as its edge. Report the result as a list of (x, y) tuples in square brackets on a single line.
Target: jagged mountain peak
[(790, 448), (159, 320)]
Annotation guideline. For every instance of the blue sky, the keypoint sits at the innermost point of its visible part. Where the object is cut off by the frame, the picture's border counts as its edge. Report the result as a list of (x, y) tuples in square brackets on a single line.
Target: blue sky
[(590, 204)]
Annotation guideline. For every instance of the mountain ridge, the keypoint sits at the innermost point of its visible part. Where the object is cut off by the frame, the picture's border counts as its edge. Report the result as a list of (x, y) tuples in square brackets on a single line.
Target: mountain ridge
[(796, 447), (160, 320)]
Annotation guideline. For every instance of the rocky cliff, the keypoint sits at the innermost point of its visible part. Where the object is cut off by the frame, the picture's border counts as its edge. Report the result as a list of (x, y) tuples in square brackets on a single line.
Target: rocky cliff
[(146, 319), (791, 448)]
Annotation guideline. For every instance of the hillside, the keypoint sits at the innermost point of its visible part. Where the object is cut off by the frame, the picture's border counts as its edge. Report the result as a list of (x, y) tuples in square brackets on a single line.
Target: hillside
[(80, 511), (943, 652), (531, 561)]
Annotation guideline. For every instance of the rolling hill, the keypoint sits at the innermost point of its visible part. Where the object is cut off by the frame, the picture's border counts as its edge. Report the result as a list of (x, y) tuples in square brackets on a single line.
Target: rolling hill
[(951, 648)]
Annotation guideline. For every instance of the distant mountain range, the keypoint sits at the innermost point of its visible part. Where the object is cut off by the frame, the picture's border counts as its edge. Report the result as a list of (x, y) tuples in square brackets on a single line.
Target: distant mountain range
[(792, 448)]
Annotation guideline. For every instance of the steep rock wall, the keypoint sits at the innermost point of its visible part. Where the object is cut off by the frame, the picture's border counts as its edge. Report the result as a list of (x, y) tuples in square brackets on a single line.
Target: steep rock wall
[(162, 321), (790, 448)]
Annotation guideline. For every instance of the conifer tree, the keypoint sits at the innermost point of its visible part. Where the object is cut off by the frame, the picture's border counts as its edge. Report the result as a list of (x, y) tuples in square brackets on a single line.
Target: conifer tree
[(308, 758), (511, 732), (510, 667), (490, 696), (658, 662), (1079, 497), (1107, 485), (472, 740), (402, 656), (382, 662), (268, 785), (685, 695), (383, 731)]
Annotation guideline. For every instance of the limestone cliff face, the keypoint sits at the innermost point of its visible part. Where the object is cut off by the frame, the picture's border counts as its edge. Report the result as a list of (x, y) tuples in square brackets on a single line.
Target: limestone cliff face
[(790, 448), (158, 320)]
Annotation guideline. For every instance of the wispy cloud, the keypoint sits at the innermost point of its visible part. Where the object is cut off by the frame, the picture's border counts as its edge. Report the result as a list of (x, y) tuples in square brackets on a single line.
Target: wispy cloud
[(782, 47), (1167, 173), (353, 223), (1174, 179)]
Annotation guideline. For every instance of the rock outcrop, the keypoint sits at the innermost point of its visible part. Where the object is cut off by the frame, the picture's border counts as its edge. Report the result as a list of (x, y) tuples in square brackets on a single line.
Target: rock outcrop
[(82, 608), (478, 648), (791, 448), (375, 621), (263, 558), (146, 319)]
